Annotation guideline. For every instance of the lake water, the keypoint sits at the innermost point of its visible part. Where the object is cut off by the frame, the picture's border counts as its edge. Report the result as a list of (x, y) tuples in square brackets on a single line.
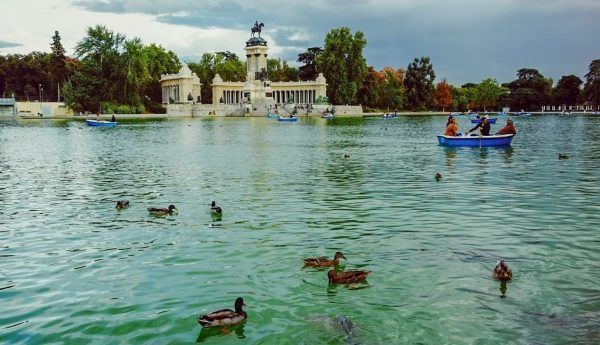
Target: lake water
[(74, 270)]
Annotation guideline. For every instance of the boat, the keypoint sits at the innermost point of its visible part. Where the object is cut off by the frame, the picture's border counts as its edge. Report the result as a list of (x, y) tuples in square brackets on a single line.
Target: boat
[(476, 141), (521, 114), (287, 119), (327, 116), (389, 116), (491, 121), (272, 116), (100, 123)]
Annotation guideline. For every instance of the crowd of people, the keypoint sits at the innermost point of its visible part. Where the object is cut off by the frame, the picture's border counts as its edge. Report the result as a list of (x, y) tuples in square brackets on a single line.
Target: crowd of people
[(482, 127)]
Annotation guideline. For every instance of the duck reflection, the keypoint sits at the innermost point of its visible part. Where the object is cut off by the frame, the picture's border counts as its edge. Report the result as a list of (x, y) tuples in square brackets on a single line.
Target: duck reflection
[(208, 332), (503, 289)]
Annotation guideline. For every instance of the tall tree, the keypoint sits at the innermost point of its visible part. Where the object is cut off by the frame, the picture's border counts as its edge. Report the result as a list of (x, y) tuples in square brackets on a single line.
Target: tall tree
[(530, 90), (370, 90), (487, 94), (205, 69), (279, 70), (308, 71), (567, 91), (443, 95), (392, 90), (419, 84), (343, 64), (159, 61), (58, 65), (592, 84)]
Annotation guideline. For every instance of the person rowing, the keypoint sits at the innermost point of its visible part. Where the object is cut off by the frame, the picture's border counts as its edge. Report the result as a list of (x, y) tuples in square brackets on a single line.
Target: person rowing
[(483, 126), (508, 129)]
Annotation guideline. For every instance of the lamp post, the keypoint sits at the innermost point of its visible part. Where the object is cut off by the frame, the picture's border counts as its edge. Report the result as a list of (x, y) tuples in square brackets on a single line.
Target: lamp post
[(40, 92)]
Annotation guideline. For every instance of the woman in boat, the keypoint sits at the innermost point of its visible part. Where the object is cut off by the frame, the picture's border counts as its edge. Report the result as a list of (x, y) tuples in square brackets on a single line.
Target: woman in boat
[(508, 129), (451, 127), (483, 126)]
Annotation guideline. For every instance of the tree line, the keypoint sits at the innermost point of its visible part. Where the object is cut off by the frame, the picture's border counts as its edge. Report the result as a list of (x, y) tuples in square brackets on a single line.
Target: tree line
[(113, 73)]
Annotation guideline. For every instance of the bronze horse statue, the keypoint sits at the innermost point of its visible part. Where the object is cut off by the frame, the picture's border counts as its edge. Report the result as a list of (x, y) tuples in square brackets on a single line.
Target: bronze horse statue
[(256, 28)]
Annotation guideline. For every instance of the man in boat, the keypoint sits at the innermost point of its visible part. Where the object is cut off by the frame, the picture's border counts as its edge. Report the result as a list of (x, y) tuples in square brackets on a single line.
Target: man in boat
[(451, 127), (483, 126), (113, 119), (508, 129)]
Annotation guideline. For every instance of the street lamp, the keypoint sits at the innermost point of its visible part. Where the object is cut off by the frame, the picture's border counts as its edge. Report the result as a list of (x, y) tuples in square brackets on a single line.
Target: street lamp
[(40, 92)]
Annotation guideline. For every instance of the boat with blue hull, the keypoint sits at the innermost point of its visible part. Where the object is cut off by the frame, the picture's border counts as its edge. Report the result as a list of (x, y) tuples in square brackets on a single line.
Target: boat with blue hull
[(491, 121), (476, 141), (327, 116), (97, 123), (390, 116), (272, 116), (287, 119)]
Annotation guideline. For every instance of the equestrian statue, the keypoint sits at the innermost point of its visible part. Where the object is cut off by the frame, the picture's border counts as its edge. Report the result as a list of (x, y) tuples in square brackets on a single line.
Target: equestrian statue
[(256, 28)]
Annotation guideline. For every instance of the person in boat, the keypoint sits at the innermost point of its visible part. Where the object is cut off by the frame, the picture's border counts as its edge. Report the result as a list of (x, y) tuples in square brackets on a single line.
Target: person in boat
[(451, 127), (113, 119), (508, 129), (483, 126)]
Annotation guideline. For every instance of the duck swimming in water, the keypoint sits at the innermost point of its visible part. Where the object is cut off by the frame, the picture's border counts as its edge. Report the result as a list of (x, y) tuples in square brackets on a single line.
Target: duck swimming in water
[(561, 156), (214, 209), (162, 211), (347, 277), (121, 204), (323, 261), (502, 271), (438, 176), (224, 317)]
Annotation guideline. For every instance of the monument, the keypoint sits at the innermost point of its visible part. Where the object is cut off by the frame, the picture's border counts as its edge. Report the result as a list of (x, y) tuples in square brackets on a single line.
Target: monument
[(257, 88)]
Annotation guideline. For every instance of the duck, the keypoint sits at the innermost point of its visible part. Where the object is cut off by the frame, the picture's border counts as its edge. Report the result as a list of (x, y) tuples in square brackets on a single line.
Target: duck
[(561, 156), (438, 176), (346, 155), (214, 209), (502, 271), (121, 204), (162, 211), (323, 261), (347, 277), (225, 317)]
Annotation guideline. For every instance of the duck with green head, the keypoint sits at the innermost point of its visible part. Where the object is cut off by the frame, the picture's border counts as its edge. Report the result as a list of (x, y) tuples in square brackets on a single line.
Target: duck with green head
[(225, 317)]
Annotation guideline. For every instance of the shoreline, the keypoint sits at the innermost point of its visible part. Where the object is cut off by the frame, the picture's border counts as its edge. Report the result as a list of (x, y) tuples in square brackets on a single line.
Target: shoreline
[(165, 116)]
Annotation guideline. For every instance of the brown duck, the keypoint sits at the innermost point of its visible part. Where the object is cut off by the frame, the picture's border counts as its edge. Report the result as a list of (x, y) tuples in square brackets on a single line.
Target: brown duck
[(502, 271), (225, 317), (323, 261), (347, 277)]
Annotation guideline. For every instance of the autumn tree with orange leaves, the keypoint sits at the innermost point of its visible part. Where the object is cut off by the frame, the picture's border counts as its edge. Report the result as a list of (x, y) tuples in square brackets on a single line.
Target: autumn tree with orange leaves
[(443, 95)]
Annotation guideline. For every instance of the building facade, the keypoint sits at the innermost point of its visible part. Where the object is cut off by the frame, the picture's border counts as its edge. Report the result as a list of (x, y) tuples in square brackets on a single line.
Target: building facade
[(183, 87)]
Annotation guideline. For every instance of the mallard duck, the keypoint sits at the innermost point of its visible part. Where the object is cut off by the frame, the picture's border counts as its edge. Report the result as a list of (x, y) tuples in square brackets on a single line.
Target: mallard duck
[(162, 211), (121, 204), (224, 317), (347, 277), (502, 271), (438, 176), (323, 261), (214, 209), (561, 156)]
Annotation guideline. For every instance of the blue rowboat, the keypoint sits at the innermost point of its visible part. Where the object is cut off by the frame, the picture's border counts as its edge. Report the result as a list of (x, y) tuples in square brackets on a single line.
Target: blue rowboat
[(491, 121), (287, 119), (272, 116), (96, 123), (522, 114), (327, 116), (389, 116), (476, 141)]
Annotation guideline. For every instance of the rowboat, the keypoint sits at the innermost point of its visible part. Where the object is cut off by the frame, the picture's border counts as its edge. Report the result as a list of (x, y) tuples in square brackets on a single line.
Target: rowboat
[(327, 116), (272, 116), (100, 123), (287, 119), (491, 121), (476, 141), (389, 116)]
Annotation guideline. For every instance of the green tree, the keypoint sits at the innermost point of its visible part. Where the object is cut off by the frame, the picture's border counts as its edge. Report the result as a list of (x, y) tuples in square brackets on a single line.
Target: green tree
[(205, 70), (567, 91), (280, 71), (530, 90), (487, 94), (370, 90), (159, 61), (308, 71), (58, 64), (418, 83), (592, 84), (391, 94), (343, 64)]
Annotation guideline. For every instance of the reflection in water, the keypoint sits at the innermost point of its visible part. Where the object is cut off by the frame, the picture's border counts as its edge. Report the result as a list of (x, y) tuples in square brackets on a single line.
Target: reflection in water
[(503, 288), (207, 332)]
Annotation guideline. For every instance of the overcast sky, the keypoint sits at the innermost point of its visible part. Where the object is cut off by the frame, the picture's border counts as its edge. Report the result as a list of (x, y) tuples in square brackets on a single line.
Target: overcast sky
[(467, 40)]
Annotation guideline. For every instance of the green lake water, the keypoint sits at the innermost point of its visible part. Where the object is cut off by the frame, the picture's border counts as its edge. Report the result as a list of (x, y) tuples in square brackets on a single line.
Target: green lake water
[(74, 270)]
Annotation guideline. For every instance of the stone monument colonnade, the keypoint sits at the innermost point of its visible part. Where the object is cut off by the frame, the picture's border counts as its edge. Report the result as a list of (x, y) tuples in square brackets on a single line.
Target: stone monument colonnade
[(251, 97)]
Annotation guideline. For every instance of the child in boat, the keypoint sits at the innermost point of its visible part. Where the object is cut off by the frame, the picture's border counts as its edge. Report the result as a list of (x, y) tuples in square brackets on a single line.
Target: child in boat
[(451, 127), (508, 129)]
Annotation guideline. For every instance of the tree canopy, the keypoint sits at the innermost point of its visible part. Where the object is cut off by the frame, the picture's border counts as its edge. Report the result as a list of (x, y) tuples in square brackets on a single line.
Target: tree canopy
[(419, 85), (592, 84)]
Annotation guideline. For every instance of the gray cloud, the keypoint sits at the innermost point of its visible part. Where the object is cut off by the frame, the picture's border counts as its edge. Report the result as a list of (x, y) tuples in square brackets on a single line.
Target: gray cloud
[(467, 40), (5, 44)]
